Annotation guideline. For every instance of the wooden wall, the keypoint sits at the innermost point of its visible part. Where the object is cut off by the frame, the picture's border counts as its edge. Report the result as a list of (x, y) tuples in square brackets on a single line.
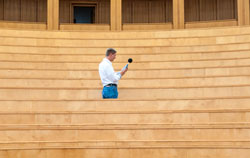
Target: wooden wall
[(134, 11), (23, 10), (206, 10), (147, 11), (1, 10), (103, 10)]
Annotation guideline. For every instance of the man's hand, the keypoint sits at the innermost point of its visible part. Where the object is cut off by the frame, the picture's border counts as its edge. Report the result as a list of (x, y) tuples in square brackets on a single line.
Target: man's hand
[(124, 71)]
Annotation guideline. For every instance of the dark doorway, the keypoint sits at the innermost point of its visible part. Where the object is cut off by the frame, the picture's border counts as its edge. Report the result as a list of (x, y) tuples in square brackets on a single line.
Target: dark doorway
[(84, 15)]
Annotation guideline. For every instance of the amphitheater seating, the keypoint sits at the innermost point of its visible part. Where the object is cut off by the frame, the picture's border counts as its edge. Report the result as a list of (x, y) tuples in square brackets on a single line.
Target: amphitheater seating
[(186, 95)]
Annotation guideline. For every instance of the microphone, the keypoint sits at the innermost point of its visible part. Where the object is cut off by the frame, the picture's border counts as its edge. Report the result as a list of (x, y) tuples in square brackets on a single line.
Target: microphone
[(130, 60)]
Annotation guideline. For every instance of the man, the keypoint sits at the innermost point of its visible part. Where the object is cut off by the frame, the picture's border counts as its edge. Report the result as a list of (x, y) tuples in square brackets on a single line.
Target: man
[(108, 76)]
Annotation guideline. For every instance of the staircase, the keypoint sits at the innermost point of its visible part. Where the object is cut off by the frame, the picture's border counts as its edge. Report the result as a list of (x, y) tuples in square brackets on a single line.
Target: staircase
[(186, 95)]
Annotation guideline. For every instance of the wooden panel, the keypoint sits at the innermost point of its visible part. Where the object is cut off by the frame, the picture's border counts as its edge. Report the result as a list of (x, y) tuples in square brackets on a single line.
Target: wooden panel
[(181, 14), (112, 15), (225, 9), (243, 12), (169, 10), (103, 12), (207, 24), (23, 10), (53, 15), (157, 11), (127, 11), (119, 15), (140, 12), (12, 10), (102, 27), (64, 11), (208, 10), (192, 10), (166, 26), (29, 10), (22, 25), (204, 10), (146, 11), (1, 10), (42, 11)]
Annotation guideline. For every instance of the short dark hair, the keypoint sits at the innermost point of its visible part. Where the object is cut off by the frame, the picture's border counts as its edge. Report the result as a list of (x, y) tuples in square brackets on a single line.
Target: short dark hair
[(110, 51)]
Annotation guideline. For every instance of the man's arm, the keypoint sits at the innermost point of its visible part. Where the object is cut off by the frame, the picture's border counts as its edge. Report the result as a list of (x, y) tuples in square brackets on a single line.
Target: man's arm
[(124, 71)]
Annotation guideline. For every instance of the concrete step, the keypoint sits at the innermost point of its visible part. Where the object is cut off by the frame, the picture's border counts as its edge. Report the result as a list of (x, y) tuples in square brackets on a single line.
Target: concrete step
[(215, 149), (108, 118), (126, 94), (20, 41), (132, 74), (123, 58), (124, 106), (26, 41), (133, 66), (142, 144), (201, 32), (122, 50), (140, 132), (125, 83)]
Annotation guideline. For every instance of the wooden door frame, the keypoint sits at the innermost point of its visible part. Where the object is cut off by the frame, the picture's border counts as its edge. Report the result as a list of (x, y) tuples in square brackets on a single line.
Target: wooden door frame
[(83, 4)]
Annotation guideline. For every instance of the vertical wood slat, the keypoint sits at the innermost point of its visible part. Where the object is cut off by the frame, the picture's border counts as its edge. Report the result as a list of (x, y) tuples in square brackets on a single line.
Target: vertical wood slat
[(127, 11), (23, 10), (140, 12), (178, 14), (112, 15), (104, 12), (64, 11), (181, 14), (53, 15), (1, 10), (157, 11), (225, 9), (118, 15), (175, 14), (169, 10), (12, 10), (208, 10), (28, 10), (42, 11), (192, 10), (56, 14), (243, 12), (205, 10)]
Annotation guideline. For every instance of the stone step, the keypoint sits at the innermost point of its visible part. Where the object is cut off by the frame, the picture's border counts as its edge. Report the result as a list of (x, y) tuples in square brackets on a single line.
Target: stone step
[(125, 83), (190, 33), (20, 41), (126, 94), (133, 66), (219, 48), (27, 41), (136, 118), (142, 144), (124, 106), (132, 74), (140, 132), (177, 151), (123, 58)]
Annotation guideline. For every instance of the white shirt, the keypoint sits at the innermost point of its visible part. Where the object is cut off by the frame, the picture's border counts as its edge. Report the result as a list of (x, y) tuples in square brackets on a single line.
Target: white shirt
[(107, 73)]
